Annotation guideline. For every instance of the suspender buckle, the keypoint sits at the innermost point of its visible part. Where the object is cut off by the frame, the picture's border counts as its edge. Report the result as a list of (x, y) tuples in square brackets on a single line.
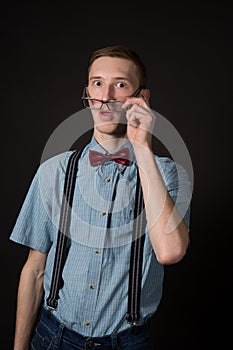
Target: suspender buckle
[(133, 324), (49, 311), (134, 328)]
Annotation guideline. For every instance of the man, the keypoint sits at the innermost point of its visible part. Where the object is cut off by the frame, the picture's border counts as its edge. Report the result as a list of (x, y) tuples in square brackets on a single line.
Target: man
[(92, 307)]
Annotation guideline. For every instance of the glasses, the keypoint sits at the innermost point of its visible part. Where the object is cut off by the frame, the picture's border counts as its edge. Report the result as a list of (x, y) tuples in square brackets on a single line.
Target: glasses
[(113, 105)]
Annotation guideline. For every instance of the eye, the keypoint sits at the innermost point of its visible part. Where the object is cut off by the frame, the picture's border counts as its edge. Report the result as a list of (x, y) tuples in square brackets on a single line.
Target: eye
[(97, 83), (121, 84)]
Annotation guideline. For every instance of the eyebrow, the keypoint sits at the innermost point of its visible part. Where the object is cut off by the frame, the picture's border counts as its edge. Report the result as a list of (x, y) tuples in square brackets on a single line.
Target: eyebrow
[(116, 78), (95, 77)]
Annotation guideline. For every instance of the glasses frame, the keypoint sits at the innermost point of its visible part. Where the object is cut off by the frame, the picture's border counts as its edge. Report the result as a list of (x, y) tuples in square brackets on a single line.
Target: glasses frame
[(85, 98)]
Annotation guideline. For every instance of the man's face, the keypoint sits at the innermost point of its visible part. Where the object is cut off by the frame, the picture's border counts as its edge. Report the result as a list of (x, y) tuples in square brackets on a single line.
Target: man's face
[(111, 78)]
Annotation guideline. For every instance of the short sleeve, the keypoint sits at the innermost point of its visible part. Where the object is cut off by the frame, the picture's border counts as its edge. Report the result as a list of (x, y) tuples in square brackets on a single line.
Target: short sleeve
[(33, 227), (178, 185), (38, 220)]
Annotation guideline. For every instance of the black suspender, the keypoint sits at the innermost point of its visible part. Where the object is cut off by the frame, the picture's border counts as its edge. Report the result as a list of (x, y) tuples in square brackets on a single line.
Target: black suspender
[(63, 230), (134, 291), (134, 287)]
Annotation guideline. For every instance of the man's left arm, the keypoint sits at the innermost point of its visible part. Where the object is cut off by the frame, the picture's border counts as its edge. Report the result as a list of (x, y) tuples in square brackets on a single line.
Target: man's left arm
[(168, 232)]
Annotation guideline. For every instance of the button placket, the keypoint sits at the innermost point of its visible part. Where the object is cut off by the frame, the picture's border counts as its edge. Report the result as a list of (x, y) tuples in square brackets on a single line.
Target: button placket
[(91, 290)]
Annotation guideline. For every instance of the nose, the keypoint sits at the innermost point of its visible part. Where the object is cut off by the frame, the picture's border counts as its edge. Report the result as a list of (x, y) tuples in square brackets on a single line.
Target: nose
[(108, 93)]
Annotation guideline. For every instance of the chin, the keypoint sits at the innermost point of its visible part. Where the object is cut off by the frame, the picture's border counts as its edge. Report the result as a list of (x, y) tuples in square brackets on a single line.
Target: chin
[(112, 128)]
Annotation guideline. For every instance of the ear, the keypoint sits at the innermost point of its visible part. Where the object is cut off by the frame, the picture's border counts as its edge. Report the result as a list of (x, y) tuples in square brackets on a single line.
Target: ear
[(85, 92), (145, 93)]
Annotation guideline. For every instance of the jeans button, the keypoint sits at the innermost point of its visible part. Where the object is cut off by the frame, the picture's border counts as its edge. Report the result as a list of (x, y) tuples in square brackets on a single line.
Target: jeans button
[(90, 344)]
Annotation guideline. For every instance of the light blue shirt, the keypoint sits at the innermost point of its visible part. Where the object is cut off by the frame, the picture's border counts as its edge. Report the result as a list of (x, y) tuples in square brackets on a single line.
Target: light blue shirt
[(93, 298)]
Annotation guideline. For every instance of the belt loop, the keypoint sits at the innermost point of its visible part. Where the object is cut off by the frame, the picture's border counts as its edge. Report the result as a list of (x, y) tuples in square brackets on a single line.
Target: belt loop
[(58, 337), (114, 340)]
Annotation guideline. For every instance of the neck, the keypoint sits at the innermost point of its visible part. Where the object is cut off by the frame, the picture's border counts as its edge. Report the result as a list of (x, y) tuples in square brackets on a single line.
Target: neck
[(110, 142)]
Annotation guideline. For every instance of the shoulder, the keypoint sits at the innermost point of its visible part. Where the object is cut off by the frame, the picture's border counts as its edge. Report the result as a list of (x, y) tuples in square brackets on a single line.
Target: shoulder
[(55, 167), (58, 161), (52, 171)]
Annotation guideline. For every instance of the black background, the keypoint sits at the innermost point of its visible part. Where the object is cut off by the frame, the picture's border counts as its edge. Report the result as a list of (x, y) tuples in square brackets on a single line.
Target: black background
[(188, 52)]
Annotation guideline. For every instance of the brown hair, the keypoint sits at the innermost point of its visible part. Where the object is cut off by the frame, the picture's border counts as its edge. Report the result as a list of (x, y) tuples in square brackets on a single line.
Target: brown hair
[(121, 52)]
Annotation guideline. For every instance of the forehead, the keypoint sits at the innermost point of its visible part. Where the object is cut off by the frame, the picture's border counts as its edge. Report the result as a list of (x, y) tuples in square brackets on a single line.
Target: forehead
[(113, 68)]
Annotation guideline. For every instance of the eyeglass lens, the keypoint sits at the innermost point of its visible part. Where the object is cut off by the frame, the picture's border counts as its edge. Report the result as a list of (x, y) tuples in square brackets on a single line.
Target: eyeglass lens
[(112, 105), (97, 104)]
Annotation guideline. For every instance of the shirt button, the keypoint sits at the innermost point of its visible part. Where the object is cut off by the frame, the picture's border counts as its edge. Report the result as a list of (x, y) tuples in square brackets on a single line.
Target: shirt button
[(107, 179), (92, 286), (103, 213), (87, 323), (120, 169), (97, 251)]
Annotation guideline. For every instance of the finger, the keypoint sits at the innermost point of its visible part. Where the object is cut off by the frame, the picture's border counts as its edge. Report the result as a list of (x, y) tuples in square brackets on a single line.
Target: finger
[(138, 121), (141, 101), (138, 109), (133, 123), (140, 114)]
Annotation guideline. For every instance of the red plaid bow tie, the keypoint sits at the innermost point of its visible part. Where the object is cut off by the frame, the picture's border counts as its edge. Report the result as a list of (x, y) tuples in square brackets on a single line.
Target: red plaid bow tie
[(121, 157)]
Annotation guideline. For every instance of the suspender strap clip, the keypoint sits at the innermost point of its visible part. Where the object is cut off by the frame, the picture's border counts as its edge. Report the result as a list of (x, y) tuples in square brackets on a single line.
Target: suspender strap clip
[(134, 325), (49, 312), (134, 328)]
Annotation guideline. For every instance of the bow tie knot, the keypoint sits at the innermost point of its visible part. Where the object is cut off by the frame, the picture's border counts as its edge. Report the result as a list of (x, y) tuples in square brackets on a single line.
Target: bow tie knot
[(121, 157)]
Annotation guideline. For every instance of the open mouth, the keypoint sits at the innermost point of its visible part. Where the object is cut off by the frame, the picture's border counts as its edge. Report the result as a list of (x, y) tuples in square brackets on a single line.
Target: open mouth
[(106, 115)]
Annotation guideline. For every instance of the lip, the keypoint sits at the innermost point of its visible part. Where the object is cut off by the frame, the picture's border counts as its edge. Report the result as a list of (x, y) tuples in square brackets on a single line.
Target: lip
[(106, 115)]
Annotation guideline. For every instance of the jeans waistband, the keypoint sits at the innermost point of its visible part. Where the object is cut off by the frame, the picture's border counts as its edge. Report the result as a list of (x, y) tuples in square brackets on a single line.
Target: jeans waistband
[(54, 324)]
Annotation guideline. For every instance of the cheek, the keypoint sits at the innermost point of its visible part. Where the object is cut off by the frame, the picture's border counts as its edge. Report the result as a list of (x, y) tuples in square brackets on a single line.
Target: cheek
[(94, 114), (94, 92)]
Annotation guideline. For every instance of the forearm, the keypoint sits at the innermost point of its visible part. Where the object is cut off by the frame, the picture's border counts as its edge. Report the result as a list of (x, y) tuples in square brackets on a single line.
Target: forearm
[(30, 294), (168, 232)]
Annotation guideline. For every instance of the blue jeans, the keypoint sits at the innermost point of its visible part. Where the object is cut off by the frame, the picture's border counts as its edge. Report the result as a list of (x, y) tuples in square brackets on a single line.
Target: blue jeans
[(50, 334)]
